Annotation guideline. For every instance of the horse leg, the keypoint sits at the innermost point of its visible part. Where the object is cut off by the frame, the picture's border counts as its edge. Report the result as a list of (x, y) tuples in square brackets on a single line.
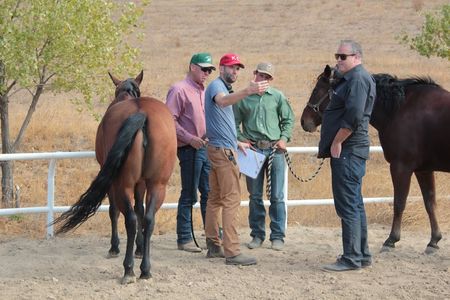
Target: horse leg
[(139, 194), (113, 216), (130, 225), (401, 179), (427, 186), (153, 203)]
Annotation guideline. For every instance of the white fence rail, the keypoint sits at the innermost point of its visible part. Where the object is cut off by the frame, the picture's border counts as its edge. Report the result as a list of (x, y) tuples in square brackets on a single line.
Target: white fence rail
[(52, 157)]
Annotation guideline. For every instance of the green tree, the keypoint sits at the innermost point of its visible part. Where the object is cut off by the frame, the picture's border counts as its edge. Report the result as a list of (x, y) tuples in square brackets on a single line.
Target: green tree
[(61, 46), (434, 38)]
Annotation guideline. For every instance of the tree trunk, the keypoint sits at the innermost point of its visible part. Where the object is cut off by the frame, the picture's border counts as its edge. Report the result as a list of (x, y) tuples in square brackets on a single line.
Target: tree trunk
[(7, 166)]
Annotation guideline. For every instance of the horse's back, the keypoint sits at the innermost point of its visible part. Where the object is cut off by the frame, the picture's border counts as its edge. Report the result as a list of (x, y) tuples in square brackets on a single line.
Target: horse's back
[(110, 125), (418, 132), (162, 140)]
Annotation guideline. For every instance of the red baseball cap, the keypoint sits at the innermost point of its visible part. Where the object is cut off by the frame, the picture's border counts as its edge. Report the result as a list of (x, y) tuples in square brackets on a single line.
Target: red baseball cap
[(230, 59)]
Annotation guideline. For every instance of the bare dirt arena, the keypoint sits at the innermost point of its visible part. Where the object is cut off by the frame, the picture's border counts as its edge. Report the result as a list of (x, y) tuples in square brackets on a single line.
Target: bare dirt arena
[(299, 37), (77, 268)]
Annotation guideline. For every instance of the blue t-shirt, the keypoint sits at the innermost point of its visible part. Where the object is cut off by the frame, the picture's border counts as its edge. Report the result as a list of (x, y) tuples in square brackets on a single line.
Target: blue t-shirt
[(220, 124)]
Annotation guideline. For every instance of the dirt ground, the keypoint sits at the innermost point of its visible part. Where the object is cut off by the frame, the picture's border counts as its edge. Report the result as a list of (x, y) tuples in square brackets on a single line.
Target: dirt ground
[(299, 37), (77, 268)]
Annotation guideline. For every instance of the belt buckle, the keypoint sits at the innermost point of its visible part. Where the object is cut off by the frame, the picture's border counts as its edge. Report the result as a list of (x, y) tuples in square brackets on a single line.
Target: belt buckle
[(263, 144)]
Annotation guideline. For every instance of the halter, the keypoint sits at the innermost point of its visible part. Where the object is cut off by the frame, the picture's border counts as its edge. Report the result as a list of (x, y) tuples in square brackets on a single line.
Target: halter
[(316, 107)]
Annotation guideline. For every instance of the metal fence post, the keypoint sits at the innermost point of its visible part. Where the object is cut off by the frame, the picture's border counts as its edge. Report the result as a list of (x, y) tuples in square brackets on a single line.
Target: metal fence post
[(285, 193), (50, 196)]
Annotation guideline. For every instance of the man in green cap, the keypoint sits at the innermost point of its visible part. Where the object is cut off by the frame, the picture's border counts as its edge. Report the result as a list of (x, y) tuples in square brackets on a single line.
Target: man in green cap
[(186, 101)]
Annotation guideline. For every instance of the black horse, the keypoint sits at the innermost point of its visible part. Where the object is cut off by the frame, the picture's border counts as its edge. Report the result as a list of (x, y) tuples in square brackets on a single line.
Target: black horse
[(412, 117)]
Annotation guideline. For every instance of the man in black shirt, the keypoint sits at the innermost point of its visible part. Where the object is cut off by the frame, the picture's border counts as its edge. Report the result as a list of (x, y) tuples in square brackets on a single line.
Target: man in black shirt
[(344, 137)]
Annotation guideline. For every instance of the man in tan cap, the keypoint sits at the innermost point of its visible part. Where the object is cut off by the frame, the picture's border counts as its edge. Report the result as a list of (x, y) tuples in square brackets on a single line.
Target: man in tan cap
[(267, 121)]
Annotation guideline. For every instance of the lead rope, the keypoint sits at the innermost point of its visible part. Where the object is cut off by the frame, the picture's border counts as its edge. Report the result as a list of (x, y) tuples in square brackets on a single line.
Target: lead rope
[(289, 163)]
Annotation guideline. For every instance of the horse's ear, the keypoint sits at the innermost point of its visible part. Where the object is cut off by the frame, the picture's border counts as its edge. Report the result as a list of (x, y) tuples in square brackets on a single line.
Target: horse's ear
[(114, 79), (327, 71), (139, 78)]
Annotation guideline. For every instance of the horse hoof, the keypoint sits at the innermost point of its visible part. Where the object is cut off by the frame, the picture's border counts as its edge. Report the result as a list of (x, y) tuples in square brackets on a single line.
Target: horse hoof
[(145, 276), (430, 250), (138, 255), (386, 249), (112, 254), (127, 279)]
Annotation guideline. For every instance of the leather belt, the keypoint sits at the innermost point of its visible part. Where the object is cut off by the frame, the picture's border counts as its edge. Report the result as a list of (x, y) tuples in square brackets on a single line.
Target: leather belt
[(264, 144)]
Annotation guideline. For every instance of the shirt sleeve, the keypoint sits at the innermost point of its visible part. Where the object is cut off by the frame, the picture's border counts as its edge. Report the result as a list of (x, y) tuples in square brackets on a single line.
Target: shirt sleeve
[(354, 105), (175, 103), (287, 119), (238, 121)]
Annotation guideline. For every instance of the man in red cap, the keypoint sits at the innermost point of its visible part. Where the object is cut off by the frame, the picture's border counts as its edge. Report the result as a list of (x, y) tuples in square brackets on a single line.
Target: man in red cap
[(225, 191)]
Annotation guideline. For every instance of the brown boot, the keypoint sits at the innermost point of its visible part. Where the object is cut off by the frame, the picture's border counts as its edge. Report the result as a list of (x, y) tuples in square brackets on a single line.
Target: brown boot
[(214, 251), (241, 260)]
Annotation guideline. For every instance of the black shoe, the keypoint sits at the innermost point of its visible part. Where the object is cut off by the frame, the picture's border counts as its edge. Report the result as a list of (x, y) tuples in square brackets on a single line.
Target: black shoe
[(366, 264), (340, 266)]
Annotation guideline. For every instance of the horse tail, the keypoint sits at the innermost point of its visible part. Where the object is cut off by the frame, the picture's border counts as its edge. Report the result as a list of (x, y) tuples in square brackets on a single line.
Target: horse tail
[(91, 200)]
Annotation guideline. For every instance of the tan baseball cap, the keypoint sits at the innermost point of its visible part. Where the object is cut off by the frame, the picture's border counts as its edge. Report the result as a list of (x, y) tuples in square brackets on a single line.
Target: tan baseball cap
[(266, 68)]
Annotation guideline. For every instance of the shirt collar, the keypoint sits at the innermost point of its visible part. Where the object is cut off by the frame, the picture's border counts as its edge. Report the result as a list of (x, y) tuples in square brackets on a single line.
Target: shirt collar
[(350, 73), (196, 85), (269, 91)]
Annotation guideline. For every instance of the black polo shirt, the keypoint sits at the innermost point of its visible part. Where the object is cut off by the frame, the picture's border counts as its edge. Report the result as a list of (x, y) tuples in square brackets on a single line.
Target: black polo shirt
[(350, 107)]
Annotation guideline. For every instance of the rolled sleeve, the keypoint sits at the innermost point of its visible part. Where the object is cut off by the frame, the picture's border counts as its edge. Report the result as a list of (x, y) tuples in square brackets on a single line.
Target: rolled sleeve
[(354, 105), (287, 120), (175, 103)]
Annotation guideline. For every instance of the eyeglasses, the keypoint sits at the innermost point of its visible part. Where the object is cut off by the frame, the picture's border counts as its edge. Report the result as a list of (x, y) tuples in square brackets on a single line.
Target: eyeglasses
[(206, 69), (343, 56)]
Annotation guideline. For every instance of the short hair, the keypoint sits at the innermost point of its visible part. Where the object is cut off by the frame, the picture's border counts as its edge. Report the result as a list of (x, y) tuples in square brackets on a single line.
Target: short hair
[(356, 47)]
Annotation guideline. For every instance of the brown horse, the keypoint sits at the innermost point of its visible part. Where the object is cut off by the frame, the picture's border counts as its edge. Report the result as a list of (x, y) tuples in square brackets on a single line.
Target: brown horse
[(136, 149), (412, 117)]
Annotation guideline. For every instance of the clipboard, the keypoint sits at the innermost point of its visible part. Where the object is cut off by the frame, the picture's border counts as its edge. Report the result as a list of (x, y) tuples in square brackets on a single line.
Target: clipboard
[(250, 163)]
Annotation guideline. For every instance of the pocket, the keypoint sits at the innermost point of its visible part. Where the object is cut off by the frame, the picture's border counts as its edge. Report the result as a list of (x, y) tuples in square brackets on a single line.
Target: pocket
[(229, 154), (355, 168)]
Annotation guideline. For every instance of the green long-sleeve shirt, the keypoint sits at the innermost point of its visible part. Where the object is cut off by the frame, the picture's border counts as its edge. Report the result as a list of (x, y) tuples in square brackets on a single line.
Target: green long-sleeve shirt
[(266, 117)]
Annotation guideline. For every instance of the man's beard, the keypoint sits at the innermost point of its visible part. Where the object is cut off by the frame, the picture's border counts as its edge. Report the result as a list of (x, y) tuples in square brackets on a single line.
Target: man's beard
[(229, 78)]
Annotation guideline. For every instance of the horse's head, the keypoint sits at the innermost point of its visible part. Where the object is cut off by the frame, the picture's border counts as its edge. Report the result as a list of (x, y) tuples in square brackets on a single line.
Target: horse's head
[(128, 88), (318, 101)]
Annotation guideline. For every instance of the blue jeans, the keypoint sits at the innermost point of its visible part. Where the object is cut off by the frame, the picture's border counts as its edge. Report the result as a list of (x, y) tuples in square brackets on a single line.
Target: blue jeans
[(277, 209), (194, 171), (347, 173)]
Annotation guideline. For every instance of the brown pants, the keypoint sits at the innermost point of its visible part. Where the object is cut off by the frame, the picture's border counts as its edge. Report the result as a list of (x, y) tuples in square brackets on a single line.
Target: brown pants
[(225, 194)]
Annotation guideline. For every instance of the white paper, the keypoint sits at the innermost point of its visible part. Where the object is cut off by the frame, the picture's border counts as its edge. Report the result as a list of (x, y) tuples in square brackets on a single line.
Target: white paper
[(250, 163)]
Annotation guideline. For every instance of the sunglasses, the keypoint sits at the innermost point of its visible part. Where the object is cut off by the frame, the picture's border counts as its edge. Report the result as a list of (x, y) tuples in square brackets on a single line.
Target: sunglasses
[(206, 69), (342, 56)]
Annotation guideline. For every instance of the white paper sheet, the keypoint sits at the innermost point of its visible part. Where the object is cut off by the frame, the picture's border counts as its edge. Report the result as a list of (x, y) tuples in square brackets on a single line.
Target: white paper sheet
[(250, 163)]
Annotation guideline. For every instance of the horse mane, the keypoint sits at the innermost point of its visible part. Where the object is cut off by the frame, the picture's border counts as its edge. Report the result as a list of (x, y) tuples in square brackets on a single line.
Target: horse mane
[(391, 90), (129, 86)]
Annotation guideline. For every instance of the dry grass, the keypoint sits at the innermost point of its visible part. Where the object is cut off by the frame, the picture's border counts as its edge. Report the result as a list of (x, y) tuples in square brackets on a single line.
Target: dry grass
[(298, 36)]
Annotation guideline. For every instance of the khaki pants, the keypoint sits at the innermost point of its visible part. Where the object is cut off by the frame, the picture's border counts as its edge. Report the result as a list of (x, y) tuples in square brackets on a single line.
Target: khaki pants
[(225, 194)]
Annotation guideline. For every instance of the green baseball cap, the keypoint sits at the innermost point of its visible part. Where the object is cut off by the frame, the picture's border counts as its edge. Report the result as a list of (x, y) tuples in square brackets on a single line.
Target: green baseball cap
[(202, 59)]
